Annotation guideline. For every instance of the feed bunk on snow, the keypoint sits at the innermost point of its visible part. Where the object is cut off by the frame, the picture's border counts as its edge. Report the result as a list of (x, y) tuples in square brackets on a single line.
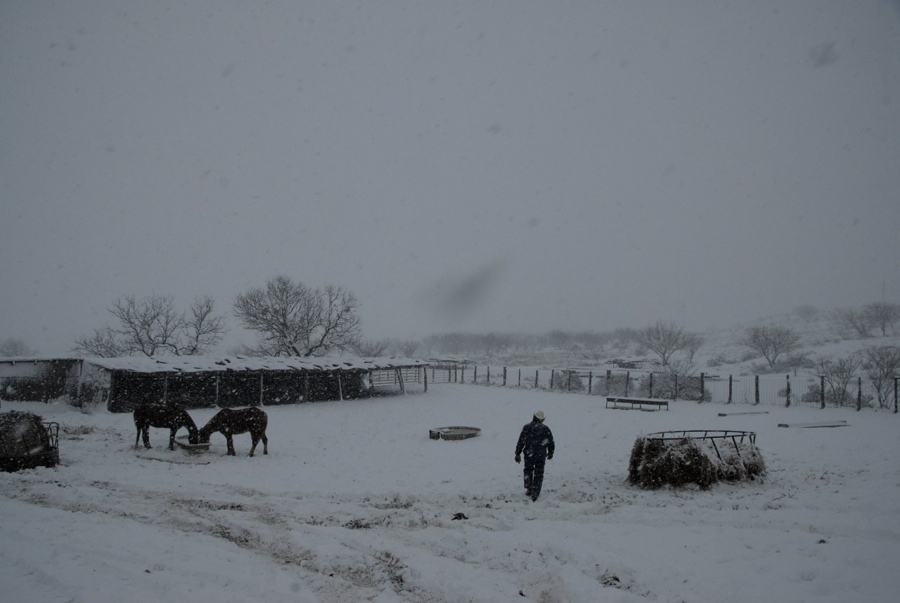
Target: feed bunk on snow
[(26, 441), (454, 432), (701, 457)]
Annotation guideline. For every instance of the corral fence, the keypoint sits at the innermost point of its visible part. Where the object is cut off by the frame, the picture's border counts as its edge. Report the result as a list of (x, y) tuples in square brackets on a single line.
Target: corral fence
[(773, 390)]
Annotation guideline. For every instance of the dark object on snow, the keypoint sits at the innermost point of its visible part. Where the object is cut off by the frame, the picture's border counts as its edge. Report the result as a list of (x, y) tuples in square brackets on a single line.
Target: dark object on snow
[(815, 424), (454, 432), (231, 421), (701, 457), (26, 441), (156, 415), (459, 516)]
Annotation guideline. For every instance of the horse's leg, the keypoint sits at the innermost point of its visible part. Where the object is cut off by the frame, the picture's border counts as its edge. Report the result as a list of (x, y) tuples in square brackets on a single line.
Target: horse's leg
[(147, 436), (255, 438), (265, 442), (230, 445), (172, 438), (137, 438)]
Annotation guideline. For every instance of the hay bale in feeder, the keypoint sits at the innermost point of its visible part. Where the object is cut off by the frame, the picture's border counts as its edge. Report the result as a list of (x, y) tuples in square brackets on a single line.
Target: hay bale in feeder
[(656, 462), (24, 442)]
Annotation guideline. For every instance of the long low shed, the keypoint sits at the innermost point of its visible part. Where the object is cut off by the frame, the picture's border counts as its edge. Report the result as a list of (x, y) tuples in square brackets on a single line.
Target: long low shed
[(202, 381)]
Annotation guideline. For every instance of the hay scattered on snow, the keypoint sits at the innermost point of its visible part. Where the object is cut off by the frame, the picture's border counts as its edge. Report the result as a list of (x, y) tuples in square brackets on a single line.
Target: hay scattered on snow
[(655, 463)]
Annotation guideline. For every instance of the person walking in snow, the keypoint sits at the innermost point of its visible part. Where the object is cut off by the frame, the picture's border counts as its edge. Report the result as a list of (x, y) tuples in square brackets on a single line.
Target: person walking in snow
[(536, 441)]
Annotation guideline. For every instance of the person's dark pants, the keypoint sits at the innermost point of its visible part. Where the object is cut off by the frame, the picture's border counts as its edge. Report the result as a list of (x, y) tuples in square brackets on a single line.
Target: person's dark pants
[(534, 475)]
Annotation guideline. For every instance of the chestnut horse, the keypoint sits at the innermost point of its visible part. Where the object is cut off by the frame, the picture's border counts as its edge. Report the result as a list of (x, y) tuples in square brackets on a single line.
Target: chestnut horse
[(232, 421), (155, 415)]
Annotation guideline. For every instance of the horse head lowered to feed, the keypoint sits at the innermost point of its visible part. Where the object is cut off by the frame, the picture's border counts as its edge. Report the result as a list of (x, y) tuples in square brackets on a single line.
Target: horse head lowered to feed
[(233, 421), (173, 417)]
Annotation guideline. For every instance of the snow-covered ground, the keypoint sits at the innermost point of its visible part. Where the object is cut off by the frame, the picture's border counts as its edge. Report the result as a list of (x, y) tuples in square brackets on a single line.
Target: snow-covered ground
[(354, 502)]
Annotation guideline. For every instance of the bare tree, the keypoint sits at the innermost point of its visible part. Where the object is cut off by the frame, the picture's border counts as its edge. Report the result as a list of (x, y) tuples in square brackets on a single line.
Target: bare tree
[(371, 348), (408, 348), (103, 344), (883, 316), (771, 342), (796, 361), (692, 345), (202, 330), (665, 338), (806, 312), (838, 374), (881, 364), (11, 348), (152, 326), (853, 320), (293, 319)]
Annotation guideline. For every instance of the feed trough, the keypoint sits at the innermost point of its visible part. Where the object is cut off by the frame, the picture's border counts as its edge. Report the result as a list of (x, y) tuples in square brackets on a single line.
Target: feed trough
[(182, 442), (453, 432)]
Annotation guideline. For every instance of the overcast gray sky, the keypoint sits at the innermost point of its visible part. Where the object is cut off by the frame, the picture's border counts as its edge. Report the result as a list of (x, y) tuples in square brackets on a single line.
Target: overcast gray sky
[(505, 166)]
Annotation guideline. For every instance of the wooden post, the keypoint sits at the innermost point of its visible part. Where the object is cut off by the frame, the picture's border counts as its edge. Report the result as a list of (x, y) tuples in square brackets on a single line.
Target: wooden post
[(261, 388), (608, 378), (475, 374), (651, 384), (756, 390), (399, 372), (536, 378), (730, 385), (337, 374), (520, 378), (504, 376), (787, 398), (676, 386), (488, 382), (627, 381), (569, 381), (426, 378), (552, 375), (590, 382), (822, 390), (859, 394)]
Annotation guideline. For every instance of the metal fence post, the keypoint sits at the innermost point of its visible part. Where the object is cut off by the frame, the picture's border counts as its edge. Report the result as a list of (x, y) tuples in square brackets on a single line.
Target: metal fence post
[(730, 381), (822, 390), (756, 390), (787, 400)]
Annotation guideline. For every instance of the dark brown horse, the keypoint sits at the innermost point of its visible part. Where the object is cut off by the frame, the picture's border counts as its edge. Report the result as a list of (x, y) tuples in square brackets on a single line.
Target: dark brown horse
[(173, 417), (233, 421)]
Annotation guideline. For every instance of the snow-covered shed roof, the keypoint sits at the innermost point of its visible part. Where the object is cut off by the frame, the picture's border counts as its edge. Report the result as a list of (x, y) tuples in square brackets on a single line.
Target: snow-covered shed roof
[(199, 364)]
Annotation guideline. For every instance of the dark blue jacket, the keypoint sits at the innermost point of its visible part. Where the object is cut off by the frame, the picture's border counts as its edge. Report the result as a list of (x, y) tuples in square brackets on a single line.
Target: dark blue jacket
[(536, 440)]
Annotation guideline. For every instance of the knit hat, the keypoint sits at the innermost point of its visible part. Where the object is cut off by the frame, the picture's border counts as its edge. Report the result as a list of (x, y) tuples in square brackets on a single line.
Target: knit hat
[(539, 416)]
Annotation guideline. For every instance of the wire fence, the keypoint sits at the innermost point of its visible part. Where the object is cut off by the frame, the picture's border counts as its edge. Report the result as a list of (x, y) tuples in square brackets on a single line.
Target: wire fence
[(772, 390)]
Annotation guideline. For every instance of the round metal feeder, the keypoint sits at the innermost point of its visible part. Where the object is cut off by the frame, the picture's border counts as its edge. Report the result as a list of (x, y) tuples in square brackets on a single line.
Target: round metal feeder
[(453, 432), (182, 442)]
